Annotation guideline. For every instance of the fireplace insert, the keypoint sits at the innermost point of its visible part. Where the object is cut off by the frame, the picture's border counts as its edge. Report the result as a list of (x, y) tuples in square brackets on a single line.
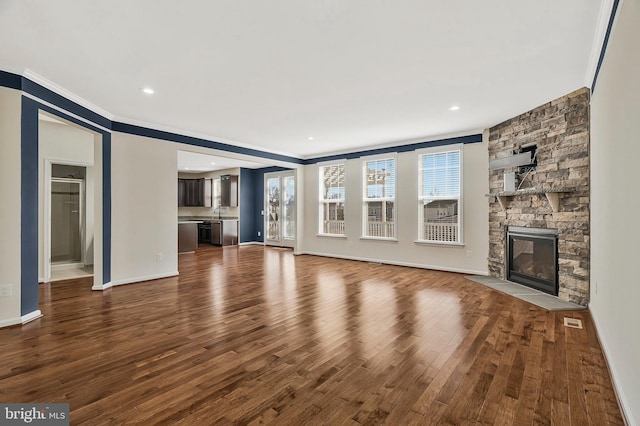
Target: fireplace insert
[(532, 258)]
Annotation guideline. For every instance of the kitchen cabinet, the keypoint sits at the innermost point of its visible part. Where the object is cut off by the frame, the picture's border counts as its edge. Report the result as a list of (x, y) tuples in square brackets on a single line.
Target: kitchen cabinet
[(194, 192), (229, 190)]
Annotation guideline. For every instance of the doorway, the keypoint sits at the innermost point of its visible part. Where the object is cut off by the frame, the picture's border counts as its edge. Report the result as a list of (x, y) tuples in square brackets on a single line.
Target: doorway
[(69, 195), (280, 208), (67, 221), (66, 218)]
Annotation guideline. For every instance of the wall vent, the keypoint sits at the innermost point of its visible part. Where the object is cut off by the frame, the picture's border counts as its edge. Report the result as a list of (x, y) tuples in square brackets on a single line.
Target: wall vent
[(572, 323)]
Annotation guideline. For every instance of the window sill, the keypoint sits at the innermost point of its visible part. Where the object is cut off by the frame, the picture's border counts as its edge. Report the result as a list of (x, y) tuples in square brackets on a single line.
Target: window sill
[(384, 239), (331, 235), (438, 244)]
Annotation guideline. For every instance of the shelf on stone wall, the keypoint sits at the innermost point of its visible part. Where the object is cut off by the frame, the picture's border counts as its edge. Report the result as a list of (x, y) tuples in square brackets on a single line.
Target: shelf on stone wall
[(551, 194)]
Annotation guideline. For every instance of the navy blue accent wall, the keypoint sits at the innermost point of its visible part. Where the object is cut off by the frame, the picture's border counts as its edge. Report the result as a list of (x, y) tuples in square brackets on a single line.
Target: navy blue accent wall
[(248, 189), (12, 81), (29, 207), (106, 207), (612, 17)]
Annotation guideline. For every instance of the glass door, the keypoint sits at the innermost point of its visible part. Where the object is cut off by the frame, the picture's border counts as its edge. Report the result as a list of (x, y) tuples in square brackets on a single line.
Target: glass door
[(280, 209), (66, 221)]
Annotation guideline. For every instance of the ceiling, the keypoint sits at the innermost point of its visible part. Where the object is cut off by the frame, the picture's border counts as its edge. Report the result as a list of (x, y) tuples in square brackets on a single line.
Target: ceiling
[(306, 78), (194, 162)]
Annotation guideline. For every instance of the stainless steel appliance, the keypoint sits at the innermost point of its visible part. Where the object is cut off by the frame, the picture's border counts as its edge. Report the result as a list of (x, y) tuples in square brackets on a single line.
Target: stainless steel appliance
[(224, 232)]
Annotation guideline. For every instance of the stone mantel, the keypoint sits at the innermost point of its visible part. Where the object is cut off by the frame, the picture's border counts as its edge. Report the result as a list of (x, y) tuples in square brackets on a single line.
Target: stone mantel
[(551, 194)]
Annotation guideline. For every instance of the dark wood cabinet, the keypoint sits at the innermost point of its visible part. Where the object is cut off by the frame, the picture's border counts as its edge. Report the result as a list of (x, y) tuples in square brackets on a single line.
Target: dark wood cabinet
[(229, 190), (194, 192)]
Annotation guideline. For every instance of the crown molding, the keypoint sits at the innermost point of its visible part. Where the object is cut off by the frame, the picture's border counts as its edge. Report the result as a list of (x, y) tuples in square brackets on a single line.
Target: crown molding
[(397, 143), (182, 132), (48, 84), (600, 35)]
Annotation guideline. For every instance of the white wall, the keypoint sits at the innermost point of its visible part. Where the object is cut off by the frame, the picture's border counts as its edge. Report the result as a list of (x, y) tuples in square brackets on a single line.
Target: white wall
[(615, 198), (10, 218), (63, 144), (470, 258), (144, 208)]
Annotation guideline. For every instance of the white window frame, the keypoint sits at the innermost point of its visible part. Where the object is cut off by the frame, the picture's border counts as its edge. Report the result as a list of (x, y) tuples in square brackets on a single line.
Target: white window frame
[(322, 201), (365, 200), (421, 198)]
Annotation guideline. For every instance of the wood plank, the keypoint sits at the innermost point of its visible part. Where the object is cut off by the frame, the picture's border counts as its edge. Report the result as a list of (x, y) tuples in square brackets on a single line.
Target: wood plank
[(255, 335)]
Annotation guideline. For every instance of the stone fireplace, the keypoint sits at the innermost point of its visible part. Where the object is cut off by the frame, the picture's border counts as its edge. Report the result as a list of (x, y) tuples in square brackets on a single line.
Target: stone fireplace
[(548, 197)]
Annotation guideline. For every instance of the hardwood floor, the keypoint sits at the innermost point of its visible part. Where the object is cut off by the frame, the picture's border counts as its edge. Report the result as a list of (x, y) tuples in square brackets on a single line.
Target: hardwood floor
[(254, 335)]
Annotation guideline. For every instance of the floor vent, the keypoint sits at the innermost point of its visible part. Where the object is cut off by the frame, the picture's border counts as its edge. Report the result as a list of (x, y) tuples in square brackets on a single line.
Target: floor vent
[(572, 322)]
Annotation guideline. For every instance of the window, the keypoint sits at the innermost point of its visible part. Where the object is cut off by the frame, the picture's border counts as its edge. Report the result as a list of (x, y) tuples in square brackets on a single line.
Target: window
[(378, 209), (332, 199), (439, 197)]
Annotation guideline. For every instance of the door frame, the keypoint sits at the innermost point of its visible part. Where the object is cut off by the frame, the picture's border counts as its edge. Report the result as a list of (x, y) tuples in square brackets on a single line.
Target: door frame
[(48, 179), (281, 241)]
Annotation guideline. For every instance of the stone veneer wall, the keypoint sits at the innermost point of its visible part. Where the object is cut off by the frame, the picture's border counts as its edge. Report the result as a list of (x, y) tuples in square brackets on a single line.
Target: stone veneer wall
[(560, 129)]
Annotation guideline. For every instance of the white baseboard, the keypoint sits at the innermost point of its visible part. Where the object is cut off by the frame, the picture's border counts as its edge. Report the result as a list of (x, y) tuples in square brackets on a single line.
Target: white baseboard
[(30, 316), (9, 322), (22, 319), (623, 402), (251, 243), (65, 266), (145, 278), (102, 286), (397, 263)]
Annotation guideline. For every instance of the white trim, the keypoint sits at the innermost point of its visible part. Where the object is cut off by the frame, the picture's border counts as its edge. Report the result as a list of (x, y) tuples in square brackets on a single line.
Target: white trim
[(30, 316), (281, 241), (251, 243), (9, 322), (623, 402), (438, 243), (67, 266), (461, 214), (99, 287), (208, 137), (46, 255), (397, 263), (64, 111), (145, 278), (393, 156), (344, 236), (37, 78), (384, 239), (600, 33), (397, 143)]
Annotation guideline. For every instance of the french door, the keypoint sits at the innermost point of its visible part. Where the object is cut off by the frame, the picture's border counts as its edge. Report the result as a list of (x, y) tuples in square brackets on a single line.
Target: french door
[(280, 209)]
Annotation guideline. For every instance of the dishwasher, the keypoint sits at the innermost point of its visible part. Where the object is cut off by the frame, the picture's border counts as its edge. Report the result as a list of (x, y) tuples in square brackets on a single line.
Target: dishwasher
[(224, 232)]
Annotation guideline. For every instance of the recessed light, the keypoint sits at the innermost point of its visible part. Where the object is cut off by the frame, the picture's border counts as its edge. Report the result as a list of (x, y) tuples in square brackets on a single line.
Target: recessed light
[(310, 138), (186, 168), (454, 108), (213, 162), (148, 90)]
